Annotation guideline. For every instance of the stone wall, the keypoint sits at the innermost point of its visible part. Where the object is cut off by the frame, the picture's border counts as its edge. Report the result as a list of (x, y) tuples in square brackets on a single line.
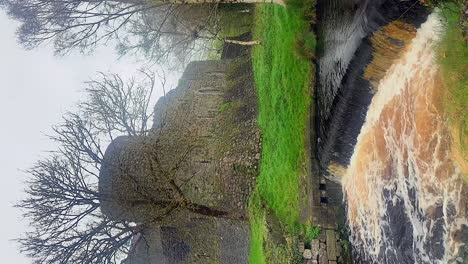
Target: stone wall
[(204, 137), (213, 116), (198, 240), (205, 140)]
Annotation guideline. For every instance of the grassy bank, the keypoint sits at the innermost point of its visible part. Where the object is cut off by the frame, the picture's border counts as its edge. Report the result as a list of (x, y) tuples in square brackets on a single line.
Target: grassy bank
[(453, 59), (282, 78)]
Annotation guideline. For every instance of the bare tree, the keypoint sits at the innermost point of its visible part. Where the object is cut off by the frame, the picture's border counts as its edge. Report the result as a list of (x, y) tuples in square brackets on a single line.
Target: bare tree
[(177, 32), (63, 202), (63, 208), (118, 105), (82, 24)]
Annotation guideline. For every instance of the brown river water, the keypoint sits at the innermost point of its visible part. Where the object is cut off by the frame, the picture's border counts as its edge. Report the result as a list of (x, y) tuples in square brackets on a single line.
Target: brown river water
[(406, 200)]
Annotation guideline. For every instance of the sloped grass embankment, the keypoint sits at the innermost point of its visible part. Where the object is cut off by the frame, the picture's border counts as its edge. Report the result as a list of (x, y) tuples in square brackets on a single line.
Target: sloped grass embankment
[(282, 80), (453, 61)]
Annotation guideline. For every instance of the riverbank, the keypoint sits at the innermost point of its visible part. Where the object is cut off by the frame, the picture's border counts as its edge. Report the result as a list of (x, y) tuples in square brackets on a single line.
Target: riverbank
[(452, 57), (283, 73)]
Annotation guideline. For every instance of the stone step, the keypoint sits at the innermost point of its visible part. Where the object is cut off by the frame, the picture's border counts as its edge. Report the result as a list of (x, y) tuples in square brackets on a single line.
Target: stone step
[(331, 245), (324, 217)]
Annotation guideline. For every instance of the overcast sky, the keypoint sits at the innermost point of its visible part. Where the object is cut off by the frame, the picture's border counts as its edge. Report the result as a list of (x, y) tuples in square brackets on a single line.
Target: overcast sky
[(36, 88)]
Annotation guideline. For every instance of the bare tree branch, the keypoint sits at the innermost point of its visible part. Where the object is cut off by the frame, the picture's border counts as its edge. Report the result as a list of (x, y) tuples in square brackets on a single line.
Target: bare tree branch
[(171, 31), (117, 105)]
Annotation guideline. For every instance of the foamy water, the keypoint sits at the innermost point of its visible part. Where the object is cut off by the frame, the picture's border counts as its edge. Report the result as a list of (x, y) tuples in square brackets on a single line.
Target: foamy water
[(405, 196)]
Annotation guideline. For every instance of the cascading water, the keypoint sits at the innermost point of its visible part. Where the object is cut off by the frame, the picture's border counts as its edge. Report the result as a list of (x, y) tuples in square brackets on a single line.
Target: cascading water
[(406, 200), (343, 93)]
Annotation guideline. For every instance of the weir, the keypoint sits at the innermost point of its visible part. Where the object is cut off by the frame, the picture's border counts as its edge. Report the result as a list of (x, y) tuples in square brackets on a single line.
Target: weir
[(405, 195), (355, 35), (381, 133)]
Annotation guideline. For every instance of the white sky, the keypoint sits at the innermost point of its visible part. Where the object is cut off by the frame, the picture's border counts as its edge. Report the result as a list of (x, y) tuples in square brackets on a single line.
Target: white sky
[(36, 88)]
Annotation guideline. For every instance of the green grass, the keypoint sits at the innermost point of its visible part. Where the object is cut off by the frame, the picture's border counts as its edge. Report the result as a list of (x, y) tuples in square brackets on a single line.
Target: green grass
[(311, 232), (225, 106), (258, 229), (453, 59), (282, 80)]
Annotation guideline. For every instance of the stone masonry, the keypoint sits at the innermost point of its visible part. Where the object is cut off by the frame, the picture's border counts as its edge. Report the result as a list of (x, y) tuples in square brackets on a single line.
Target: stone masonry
[(205, 140)]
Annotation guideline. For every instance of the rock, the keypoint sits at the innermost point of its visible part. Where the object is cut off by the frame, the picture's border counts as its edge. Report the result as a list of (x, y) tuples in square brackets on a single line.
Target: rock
[(323, 258), (322, 236), (307, 254), (257, 156), (301, 247), (315, 246), (339, 249), (323, 246)]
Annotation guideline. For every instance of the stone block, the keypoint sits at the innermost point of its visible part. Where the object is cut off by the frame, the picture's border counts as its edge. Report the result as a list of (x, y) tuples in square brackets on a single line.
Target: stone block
[(322, 258), (331, 244), (323, 246), (322, 236), (315, 247), (307, 254), (339, 249)]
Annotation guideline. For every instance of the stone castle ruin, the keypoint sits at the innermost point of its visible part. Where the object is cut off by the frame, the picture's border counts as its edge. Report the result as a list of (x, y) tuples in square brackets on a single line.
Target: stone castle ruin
[(191, 176)]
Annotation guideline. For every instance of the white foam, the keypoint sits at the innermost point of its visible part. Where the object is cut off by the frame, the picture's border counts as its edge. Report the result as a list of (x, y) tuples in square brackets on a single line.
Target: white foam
[(405, 151)]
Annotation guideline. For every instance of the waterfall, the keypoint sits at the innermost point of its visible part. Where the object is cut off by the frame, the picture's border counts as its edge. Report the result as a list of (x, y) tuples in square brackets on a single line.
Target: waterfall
[(406, 200), (347, 30)]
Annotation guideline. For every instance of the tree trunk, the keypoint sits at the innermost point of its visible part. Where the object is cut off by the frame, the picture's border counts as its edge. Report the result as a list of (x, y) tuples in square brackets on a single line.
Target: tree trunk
[(244, 43), (278, 2), (204, 210)]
